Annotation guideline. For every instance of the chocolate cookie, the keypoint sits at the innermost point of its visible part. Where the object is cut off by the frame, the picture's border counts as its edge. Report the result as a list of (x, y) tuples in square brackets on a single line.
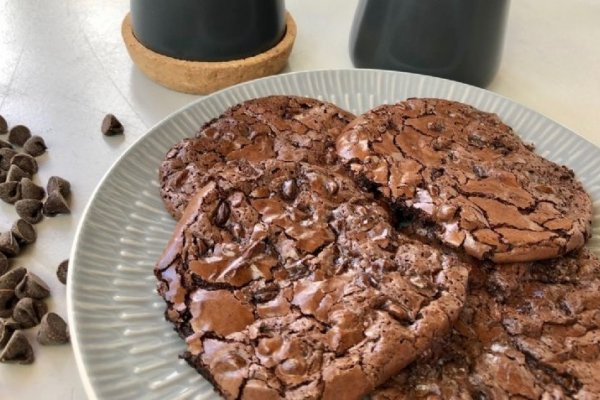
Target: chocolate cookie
[(528, 331), (468, 180), (286, 281), (286, 128)]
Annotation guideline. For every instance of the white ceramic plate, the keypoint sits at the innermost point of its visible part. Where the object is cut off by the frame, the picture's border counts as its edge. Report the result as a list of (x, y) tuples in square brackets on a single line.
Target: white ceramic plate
[(123, 346)]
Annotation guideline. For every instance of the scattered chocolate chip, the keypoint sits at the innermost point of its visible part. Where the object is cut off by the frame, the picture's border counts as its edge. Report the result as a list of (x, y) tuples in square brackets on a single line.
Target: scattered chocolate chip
[(4, 264), (11, 279), (222, 214), (3, 126), (8, 244), (3, 175), (24, 232), (17, 350), (7, 299), (58, 184), (6, 155), (19, 134), (30, 190), (5, 333), (26, 162), (29, 312), (15, 174), (35, 146), (30, 210), (5, 145), (289, 189), (55, 204), (111, 126), (10, 192), (53, 330), (62, 271), (32, 286)]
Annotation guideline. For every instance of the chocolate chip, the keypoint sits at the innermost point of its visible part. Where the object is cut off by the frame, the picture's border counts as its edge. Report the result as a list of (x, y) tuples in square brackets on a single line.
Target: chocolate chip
[(289, 189), (479, 171), (55, 204), (479, 395), (19, 134), (4, 264), (11, 279), (35, 146), (436, 173), (5, 333), (30, 210), (476, 140), (530, 146), (6, 155), (17, 350), (24, 232), (58, 184), (15, 174), (3, 175), (32, 286), (3, 126), (29, 312), (30, 190), (332, 187), (436, 126), (297, 271), (111, 126), (5, 145), (7, 300), (8, 244), (267, 293), (26, 162), (222, 214), (53, 330), (62, 271), (398, 312), (10, 192)]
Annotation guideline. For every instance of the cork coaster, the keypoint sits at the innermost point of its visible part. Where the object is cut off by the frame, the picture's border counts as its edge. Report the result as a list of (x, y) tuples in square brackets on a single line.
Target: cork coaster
[(200, 77)]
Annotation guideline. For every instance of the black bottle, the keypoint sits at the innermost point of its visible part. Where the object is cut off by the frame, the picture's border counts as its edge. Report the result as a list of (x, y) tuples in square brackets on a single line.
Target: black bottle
[(208, 30), (455, 39)]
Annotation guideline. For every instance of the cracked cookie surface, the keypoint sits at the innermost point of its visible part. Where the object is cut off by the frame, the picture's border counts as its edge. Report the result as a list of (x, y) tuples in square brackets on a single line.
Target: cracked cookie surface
[(287, 281), (468, 180), (528, 331), (286, 128)]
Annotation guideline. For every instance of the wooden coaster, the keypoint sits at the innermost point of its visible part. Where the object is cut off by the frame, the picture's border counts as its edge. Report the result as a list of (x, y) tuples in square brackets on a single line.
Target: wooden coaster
[(200, 77)]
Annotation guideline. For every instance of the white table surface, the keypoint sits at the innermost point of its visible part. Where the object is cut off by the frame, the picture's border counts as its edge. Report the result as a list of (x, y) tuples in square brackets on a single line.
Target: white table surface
[(63, 67)]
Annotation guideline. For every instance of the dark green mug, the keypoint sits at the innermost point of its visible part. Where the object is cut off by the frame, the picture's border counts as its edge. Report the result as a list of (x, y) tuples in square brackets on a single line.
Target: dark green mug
[(455, 39), (208, 30)]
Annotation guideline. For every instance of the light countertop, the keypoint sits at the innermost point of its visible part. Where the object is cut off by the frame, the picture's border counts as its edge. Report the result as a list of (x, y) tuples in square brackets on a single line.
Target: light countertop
[(63, 66)]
